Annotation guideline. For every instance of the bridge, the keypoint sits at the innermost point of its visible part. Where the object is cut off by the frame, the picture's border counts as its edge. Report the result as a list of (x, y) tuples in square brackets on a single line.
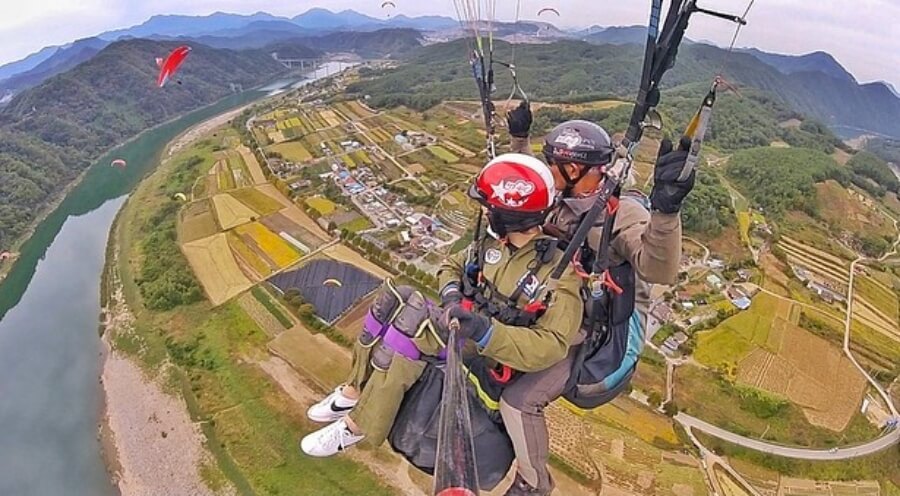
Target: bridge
[(301, 63)]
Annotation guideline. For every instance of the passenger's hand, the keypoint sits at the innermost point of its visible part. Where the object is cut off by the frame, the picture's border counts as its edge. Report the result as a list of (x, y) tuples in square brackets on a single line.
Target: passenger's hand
[(668, 192), (450, 294), (472, 325), (519, 120)]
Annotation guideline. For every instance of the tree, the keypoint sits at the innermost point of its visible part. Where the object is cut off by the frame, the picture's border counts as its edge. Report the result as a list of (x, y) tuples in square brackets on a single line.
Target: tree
[(655, 399), (671, 409), (393, 244)]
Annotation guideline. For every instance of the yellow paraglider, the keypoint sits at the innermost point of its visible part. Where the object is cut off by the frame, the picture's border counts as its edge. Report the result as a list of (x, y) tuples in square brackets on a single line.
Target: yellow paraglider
[(332, 282), (180, 196)]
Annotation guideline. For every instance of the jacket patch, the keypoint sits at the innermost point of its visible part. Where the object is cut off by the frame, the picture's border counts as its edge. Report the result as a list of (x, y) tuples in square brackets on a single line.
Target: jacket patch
[(530, 286), (492, 256)]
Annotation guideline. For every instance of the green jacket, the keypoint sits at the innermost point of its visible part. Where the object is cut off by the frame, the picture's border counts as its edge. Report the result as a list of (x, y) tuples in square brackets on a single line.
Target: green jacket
[(538, 347)]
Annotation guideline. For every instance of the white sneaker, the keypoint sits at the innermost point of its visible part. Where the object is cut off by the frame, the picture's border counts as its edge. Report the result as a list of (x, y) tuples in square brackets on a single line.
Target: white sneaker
[(335, 406), (329, 440)]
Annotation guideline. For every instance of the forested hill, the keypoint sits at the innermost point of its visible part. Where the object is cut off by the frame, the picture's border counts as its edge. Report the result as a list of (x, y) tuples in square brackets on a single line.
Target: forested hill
[(573, 71), (51, 133)]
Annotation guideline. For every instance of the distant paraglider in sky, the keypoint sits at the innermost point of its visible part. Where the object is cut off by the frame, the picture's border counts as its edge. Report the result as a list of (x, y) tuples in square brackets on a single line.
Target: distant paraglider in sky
[(180, 196), (118, 163), (169, 66), (389, 5), (332, 282), (548, 10)]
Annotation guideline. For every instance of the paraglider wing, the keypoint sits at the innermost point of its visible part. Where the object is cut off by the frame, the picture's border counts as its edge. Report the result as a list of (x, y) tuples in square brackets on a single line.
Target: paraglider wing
[(119, 163), (171, 64), (388, 4), (180, 196), (332, 282), (548, 10)]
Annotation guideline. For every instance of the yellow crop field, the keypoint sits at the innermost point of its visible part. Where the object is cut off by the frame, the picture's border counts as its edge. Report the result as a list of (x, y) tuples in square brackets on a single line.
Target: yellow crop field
[(293, 151), (215, 268), (248, 256), (744, 226), (322, 205), (258, 201), (276, 248), (230, 212), (646, 424), (330, 117)]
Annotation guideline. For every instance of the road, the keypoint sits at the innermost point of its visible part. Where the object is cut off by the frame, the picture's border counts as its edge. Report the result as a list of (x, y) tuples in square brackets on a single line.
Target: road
[(892, 438), (847, 325)]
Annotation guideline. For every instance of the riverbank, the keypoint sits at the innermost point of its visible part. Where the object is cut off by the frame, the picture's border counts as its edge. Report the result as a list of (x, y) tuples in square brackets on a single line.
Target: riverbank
[(150, 443)]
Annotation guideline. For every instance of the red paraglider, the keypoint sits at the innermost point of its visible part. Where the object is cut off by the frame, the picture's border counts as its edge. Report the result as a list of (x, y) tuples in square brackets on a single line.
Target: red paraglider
[(118, 163), (548, 9), (170, 65)]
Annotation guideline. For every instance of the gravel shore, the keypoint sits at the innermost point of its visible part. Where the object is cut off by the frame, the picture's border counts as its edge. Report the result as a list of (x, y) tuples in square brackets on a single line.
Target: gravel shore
[(152, 446)]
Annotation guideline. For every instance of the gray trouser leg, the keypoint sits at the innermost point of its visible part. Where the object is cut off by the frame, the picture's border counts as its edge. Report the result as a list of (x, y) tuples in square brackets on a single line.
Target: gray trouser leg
[(522, 408)]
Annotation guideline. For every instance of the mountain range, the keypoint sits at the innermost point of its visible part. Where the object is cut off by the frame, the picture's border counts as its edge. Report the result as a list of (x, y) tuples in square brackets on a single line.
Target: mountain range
[(51, 133), (815, 83)]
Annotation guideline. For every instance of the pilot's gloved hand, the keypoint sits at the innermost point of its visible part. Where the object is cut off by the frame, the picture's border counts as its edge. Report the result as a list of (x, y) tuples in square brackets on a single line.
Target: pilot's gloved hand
[(519, 120), (668, 192)]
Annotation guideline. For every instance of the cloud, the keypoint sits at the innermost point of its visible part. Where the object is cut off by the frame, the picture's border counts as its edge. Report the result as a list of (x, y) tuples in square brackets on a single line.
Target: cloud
[(860, 34)]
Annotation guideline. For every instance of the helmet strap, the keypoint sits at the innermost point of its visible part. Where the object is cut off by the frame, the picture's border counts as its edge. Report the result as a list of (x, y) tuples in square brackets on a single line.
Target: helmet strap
[(570, 183)]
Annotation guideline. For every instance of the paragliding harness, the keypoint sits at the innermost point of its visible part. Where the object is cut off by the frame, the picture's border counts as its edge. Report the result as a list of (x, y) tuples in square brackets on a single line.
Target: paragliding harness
[(603, 364)]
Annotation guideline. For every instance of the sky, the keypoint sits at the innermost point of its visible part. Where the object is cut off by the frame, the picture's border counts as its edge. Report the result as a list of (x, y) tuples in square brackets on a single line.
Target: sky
[(861, 34)]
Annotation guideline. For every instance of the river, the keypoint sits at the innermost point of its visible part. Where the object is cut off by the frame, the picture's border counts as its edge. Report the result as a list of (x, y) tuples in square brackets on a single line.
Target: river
[(50, 396)]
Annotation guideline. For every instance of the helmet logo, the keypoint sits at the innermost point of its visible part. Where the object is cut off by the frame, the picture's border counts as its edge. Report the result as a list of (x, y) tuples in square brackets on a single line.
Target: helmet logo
[(570, 137), (512, 192)]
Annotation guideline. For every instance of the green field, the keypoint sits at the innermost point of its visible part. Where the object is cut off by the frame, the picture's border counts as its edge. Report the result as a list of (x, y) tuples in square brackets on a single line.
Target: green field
[(734, 338), (443, 154), (356, 225), (750, 412), (263, 297), (322, 205), (258, 201), (293, 151)]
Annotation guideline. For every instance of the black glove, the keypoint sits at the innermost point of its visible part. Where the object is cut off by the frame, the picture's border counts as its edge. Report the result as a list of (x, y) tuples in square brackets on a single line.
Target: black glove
[(450, 294), (668, 192), (472, 325), (519, 120)]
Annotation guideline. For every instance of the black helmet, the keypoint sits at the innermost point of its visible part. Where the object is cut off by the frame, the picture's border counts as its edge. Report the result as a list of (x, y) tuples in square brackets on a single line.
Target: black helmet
[(580, 142)]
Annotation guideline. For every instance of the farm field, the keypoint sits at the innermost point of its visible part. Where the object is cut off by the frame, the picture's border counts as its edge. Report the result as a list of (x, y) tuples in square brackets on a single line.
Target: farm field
[(197, 221), (758, 414), (634, 417), (256, 172), (628, 463), (321, 204), (224, 176), (250, 257), (297, 216), (293, 151), (276, 249), (734, 338), (442, 153), (215, 268), (258, 201), (342, 253), (230, 212)]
